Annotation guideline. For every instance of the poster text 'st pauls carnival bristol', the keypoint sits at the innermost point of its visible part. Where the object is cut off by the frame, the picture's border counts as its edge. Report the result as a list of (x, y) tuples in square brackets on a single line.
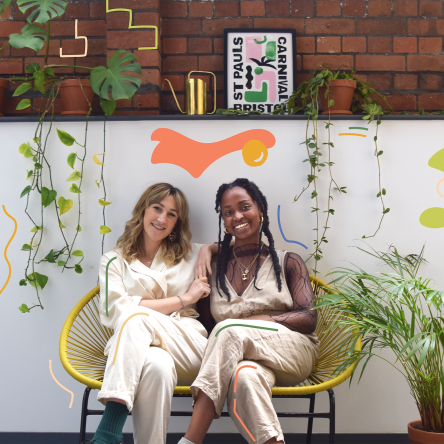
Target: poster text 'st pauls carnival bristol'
[(259, 69)]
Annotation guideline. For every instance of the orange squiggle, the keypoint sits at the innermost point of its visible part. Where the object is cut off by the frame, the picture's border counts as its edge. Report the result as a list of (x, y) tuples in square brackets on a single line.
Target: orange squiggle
[(64, 388), (6, 249), (437, 189)]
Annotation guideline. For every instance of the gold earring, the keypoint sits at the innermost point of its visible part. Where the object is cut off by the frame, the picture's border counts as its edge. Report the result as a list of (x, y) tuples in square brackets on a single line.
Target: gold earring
[(226, 231), (172, 236), (262, 219)]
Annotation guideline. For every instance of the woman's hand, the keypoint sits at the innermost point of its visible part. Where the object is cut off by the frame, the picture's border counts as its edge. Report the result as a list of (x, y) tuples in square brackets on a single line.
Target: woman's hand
[(199, 289), (203, 263)]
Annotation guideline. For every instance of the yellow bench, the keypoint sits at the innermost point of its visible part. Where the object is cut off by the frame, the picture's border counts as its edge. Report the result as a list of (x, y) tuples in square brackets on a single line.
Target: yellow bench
[(83, 341)]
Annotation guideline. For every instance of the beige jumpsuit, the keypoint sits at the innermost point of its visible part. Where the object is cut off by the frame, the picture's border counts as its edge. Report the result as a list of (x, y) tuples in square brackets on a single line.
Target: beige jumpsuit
[(242, 363), (155, 352)]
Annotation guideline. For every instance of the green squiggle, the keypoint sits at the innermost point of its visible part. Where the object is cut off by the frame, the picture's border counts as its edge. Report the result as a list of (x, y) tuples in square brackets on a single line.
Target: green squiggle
[(246, 325), (260, 42), (106, 285)]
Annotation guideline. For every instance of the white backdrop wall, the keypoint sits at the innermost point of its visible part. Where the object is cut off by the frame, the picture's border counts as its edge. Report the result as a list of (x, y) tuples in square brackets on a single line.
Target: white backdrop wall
[(381, 403)]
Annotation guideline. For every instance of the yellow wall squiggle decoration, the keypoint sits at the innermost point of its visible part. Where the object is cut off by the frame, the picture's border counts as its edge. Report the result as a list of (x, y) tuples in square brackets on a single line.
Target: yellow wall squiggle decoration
[(6, 249)]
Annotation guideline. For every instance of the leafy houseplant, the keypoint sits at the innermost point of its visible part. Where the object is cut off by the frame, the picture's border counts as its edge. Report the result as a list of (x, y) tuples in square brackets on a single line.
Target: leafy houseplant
[(397, 310), (110, 84)]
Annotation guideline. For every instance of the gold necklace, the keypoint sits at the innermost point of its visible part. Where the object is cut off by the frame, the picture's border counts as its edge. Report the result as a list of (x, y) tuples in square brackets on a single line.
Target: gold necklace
[(151, 261), (246, 269)]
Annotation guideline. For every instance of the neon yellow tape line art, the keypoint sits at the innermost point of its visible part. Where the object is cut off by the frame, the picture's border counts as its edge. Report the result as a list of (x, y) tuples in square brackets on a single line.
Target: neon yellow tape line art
[(64, 388), (6, 249), (130, 26), (120, 334), (245, 325)]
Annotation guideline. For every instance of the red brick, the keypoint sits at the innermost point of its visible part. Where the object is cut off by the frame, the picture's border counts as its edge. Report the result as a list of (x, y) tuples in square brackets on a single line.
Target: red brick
[(380, 82), (431, 45), (380, 63), (169, 104), (430, 81), (425, 63), (298, 62), (151, 76), (278, 8), (425, 27), (54, 61), (331, 45), (430, 9), (302, 8), (134, 4), (5, 52), (10, 104), (211, 63), (11, 66), (401, 102), (405, 8), (305, 45), (89, 28), (176, 45), (354, 44), (178, 82), (226, 9), (12, 27), (252, 8), (180, 64), (181, 27), (147, 18), (334, 62), (173, 8), (89, 61), (201, 9), (283, 23), (123, 103), (76, 11), (200, 46), (117, 20), (379, 44), (151, 100), (328, 8), (384, 26), (330, 26), (217, 26), (431, 102), (7, 13), (97, 10), (73, 47), (353, 8), (130, 39), (218, 45), (405, 44), (406, 81), (379, 7), (148, 57)]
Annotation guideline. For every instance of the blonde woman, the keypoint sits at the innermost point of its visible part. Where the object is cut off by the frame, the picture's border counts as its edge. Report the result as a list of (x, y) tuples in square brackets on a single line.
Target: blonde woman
[(147, 296)]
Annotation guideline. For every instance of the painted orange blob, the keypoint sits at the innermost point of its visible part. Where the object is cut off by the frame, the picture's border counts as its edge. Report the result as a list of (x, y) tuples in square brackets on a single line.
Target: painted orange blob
[(195, 157)]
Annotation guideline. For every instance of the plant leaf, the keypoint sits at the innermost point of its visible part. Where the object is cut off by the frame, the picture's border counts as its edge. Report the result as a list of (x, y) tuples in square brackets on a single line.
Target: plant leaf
[(48, 196), (46, 9), (26, 150), (108, 106), (65, 205), (96, 160), (79, 228), (31, 36), (4, 4), (104, 229), (37, 280), (75, 189), (23, 104), (78, 268), (122, 86), (26, 247), (78, 253), (65, 138), (25, 191), (23, 283), (61, 225), (72, 159), (50, 257), (61, 263), (74, 176), (104, 203), (24, 308), (21, 89)]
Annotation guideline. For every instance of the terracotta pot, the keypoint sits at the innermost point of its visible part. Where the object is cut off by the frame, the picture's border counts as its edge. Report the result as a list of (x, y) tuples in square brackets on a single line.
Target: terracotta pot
[(73, 98), (421, 437), (3, 88), (341, 91)]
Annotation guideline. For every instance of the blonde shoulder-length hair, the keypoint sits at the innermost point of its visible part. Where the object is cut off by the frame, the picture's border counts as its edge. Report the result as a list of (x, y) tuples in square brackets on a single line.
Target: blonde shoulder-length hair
[(171, 251)]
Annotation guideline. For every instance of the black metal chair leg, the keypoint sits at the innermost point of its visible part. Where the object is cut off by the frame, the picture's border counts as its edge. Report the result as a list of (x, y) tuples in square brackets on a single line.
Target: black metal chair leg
[(84, 414), (310, 420), (332, 416)]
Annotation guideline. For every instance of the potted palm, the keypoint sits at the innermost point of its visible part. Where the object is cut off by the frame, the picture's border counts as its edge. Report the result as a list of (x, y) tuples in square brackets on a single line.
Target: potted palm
[(402, 312)]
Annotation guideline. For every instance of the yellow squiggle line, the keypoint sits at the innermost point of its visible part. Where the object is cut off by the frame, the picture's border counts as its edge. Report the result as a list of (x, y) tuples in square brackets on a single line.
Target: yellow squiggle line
[(120, 334), (6, 249), (130, 26), (352, 134), (64, 388)]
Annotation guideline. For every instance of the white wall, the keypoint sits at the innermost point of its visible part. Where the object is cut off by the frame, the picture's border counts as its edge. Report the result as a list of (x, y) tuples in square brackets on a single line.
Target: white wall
[(380, 403)]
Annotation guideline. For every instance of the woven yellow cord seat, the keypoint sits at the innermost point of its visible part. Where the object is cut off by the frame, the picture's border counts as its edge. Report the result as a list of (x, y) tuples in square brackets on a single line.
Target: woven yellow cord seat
[(84, 338)]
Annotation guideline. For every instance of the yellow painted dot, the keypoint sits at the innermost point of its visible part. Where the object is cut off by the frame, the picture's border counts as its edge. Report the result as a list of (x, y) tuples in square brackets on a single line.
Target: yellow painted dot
[(255, 153)]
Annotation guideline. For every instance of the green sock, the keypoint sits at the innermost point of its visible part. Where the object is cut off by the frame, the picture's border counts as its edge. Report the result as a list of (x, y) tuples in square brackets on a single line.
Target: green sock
[(111, 425)]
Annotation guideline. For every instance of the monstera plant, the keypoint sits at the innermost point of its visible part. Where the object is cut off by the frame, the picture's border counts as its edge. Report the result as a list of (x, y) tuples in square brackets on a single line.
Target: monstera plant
[(112, 82)]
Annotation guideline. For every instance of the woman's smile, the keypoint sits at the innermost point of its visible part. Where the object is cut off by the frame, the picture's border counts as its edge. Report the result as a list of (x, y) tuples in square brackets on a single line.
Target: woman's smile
[(157, 227)]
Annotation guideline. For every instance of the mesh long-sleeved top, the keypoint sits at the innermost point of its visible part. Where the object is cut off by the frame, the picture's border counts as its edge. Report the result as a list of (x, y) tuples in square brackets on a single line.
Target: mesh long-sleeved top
[(301, 318)]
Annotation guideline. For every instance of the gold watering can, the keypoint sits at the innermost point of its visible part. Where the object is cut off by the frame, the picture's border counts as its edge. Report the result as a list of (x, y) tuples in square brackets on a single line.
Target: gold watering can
[(195, 95)]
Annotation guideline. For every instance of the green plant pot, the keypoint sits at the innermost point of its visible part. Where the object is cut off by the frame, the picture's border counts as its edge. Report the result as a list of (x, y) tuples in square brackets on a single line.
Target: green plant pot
[(341, 91), (73, 98), (420, 437), (3, 87)]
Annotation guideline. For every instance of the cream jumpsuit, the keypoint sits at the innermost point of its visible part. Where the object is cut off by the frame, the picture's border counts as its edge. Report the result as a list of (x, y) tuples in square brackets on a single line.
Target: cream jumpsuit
[(242, 363), (155, 352)]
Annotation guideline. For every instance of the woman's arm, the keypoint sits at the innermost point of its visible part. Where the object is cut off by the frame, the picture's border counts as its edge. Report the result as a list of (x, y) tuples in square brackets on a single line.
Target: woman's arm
[(203, 262), (303, 317)]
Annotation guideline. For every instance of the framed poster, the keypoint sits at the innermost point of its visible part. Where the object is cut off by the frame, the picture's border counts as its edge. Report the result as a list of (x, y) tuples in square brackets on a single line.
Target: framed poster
[(259, 68)]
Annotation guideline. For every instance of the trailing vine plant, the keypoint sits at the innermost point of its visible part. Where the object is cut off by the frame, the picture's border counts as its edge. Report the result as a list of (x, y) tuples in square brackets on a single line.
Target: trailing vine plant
[(110, 84), (306, 99)]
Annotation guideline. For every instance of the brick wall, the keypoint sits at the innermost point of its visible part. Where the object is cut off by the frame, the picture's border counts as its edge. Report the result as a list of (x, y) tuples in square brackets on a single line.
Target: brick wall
[(395, 44)]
